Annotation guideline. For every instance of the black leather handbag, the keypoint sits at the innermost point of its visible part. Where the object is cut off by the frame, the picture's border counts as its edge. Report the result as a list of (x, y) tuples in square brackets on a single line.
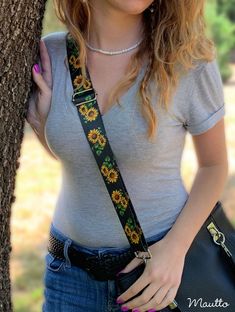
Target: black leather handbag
[(208, 280)]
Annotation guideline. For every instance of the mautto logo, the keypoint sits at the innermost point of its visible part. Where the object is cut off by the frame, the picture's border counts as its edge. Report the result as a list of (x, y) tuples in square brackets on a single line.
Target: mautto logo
[(218, 303)]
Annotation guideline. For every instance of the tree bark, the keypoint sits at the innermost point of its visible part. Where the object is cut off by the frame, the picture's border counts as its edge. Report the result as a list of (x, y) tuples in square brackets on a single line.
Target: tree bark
[(20, 32)]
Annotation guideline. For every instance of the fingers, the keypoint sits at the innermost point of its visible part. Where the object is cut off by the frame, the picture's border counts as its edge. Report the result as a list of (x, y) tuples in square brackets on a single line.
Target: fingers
[(46, 64), (148, 295), (40, 97), (159, 295), (169, 297), (39, 80), (131, 265), (152, 300), (151, 297), (135, 288)]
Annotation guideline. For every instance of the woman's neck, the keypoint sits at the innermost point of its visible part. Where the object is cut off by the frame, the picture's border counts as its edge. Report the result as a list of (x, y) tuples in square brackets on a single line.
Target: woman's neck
[(112, 29)]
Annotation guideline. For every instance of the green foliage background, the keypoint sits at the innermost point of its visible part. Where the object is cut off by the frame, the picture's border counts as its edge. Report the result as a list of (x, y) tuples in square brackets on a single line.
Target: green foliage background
[(220, 17), (227, 7)]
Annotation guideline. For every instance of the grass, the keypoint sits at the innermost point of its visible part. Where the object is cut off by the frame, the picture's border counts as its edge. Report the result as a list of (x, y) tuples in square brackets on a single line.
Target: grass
[(37, 185)]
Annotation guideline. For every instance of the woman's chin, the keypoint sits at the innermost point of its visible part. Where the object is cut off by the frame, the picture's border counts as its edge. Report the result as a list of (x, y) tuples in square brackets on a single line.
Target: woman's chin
[(132, 7)]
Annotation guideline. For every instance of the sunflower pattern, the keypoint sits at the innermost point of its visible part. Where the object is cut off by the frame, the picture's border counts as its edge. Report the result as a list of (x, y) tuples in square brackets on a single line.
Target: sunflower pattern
[(133, 232), (108, 168), (75, 61), (120, 200), (77, 81), (97, 139), (87, 84), (89, 114)]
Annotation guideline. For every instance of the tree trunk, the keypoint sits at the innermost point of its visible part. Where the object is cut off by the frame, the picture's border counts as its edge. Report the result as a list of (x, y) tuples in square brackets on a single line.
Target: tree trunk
[(20, 32)]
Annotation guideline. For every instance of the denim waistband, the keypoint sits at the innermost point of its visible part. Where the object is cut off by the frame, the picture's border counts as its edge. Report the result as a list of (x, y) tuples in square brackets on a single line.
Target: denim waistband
[(99, 250)]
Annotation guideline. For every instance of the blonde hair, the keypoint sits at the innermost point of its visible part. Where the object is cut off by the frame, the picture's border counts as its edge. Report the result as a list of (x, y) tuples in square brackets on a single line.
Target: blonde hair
[(174, 38)]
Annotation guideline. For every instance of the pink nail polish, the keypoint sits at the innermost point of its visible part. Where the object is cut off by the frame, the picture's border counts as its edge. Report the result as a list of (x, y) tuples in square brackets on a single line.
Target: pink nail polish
[(136, 310), (36, 68), (124, 308)]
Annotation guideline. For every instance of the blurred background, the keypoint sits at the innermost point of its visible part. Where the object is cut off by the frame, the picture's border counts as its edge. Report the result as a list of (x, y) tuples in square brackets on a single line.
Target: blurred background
[(38, 178)]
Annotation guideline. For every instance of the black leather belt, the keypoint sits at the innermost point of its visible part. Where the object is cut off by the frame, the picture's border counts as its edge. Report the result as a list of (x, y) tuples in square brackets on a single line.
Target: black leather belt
[(100, 267)]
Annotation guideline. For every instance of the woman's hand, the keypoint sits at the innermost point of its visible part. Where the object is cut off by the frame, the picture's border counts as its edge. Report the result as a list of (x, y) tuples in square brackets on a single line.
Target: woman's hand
[(162, 274), (39, 102), (40, 99)]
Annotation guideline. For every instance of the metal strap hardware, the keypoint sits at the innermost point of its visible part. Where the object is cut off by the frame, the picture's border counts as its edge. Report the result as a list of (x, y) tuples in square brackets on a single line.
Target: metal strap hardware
[(81, 97), (144, 256), (218, 237)]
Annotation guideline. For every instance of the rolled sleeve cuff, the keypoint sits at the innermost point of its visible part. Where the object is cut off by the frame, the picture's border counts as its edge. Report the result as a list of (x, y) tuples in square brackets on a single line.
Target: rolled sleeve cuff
[(207, 123)]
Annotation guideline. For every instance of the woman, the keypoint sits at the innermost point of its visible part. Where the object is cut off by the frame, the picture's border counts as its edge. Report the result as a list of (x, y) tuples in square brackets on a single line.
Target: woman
[(169, 64)]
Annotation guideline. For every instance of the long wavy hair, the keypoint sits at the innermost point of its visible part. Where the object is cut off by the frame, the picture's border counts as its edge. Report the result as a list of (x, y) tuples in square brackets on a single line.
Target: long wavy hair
[(174, 40)]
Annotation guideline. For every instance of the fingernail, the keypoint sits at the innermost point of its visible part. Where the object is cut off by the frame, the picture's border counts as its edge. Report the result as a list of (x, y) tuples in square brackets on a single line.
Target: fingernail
[(36, 68), (152, 310), (136, 310), (119, 301), (119, 273), (124, 308)]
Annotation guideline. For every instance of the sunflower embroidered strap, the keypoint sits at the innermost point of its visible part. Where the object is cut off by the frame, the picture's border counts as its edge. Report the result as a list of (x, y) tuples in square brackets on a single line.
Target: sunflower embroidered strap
[(84, 98)]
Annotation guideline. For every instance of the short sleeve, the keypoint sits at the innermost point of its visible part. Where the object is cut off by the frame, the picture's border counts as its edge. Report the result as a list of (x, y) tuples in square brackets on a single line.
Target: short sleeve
[(206, 99), (55, 43)]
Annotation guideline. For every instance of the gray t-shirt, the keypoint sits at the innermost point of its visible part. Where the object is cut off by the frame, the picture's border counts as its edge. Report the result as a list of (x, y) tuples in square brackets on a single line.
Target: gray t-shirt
[(151, 171)]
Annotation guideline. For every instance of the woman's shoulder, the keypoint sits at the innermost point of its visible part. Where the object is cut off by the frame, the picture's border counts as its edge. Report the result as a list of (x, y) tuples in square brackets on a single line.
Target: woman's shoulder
[(203, 75), (55, 42), (56, 46), (55, 37), (204, 68), (206, 79), (202, 103)]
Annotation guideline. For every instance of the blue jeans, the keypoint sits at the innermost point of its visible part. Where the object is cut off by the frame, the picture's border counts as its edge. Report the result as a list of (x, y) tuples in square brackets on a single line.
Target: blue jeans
[(69, 288)]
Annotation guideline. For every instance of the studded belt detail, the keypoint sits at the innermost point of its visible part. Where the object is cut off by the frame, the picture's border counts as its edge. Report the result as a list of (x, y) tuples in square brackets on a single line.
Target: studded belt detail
[(100, 267)]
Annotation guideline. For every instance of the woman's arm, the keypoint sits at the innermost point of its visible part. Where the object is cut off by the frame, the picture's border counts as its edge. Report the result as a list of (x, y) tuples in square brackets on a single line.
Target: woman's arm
[(163, 274), (206, 189), (202, 114), (40, 100)]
